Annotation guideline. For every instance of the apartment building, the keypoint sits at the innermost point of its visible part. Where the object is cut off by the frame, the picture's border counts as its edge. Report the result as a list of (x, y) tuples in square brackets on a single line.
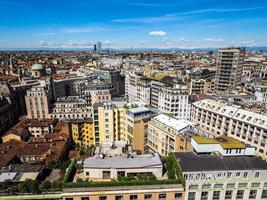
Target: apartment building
[(201, 86), (71, 107), (112, 76), (136, 121), (219, 118), (229, 68), (108, 122), (166, 134), (222, 168), (38, 102), (83, 132), (137, 88), (174, 100), (135, 192)]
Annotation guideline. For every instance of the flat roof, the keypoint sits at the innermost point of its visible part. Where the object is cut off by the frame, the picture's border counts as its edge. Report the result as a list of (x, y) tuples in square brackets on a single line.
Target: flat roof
[(123, 162), (191, 161), (224, 141), (138, 110), (7, 176), (177, 124)]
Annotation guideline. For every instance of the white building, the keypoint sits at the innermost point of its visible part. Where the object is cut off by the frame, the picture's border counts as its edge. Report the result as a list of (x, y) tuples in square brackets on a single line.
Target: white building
[(226, 146), (174, 100), (212, 176), (71, 107), (137, 88), (221, 119), (115, 160), (166, 134)]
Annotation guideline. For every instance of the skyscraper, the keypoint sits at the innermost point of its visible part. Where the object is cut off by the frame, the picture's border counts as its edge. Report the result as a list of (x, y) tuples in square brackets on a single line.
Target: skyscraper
[(229, 68), (99, 47)]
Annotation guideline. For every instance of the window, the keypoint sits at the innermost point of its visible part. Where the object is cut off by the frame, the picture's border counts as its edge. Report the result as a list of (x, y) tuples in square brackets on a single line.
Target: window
[(148, 196), (87, 174), (229, 175), (216, 195), (69, 198), (178, 196), (240, 194), (237, 174), (245, 175), (102, 198), (264, 194), (191, 195), (204, 195), (121, 174), (84, 198), (106, 174), (119, 197), (133, 197), (257, 174), (252, 194), (162, 196), (228, 194)]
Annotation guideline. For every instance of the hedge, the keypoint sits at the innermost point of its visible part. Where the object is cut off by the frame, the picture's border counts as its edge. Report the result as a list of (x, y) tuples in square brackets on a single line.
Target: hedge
[(117, 183), (70, 172)]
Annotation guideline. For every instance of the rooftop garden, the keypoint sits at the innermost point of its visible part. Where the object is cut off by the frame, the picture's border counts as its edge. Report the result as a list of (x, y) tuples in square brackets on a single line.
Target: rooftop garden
[(173, 171)]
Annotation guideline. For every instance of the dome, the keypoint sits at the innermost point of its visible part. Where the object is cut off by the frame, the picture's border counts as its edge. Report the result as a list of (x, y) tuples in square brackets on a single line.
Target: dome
[(37, 67)]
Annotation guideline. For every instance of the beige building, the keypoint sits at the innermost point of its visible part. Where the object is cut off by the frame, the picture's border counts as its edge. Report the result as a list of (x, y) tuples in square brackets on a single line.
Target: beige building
[(222, 119), (136, 124), (109, 124), (201, 86), (136, 192), (37, 102), (166, 134)]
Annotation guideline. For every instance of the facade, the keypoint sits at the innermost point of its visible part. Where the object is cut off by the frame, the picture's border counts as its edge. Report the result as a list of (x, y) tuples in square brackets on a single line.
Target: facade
[(40, 127), (221, 119), (229, 69), (174, 100), (71, 107), (166, 134), (38, 102), (144, 192), (201, 86), (137, 88), (83, 132), (108, 122), (114, 77), (261, 93), (136, 121), (224, 145)]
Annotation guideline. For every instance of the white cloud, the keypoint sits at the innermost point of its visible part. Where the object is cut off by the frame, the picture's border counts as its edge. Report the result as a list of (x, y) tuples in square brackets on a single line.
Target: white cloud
[(214, 39), (157, 33)]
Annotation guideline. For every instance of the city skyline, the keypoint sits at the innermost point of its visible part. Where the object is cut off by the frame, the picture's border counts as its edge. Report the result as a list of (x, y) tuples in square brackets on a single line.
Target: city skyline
[(138, 24)]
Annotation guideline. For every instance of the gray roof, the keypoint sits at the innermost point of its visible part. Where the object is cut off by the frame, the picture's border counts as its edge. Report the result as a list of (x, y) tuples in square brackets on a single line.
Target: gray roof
[(190, 161), (124, 161)]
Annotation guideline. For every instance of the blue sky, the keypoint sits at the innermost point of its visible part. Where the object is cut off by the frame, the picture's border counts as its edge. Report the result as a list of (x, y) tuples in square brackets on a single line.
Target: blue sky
[(136, 23)]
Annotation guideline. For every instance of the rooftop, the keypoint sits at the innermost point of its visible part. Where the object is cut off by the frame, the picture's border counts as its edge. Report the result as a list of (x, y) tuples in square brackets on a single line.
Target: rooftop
[(139, 110), (177, 124), (224, 141), (124, 161), (233, 111), (190, 161)]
